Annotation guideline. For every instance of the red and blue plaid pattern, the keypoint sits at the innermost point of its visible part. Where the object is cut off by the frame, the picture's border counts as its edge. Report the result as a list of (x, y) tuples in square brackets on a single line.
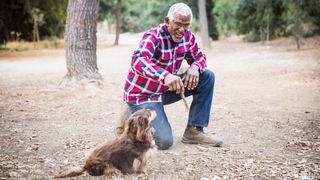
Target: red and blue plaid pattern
[(156, 57)]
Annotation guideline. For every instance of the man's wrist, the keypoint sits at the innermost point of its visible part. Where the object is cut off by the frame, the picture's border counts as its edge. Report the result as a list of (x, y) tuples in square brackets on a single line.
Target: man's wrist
[(195, 67), (164, 76)]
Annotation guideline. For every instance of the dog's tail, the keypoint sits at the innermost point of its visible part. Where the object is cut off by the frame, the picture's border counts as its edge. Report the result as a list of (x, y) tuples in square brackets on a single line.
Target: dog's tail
[(123, 116), (76, 171)]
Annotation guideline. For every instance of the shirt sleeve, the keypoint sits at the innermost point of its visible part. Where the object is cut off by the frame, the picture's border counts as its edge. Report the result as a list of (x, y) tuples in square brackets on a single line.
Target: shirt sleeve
[(194, 54), (141, 59)]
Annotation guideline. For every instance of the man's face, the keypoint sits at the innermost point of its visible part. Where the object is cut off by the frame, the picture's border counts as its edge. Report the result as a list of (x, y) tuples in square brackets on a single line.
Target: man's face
[(178, 26)]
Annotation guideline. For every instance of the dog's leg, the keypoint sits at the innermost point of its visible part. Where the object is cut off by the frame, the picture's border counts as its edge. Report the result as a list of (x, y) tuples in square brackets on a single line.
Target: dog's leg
[(110, 170), (140, 164), (136, 164), (123, 116), (143, 166)]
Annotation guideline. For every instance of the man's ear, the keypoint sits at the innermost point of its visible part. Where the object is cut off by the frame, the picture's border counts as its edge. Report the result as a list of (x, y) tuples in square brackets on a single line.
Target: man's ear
[(166, 20)]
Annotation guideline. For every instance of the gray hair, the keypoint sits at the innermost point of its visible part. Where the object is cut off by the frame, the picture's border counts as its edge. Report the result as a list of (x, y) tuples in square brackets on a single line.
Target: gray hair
[(179, 8)]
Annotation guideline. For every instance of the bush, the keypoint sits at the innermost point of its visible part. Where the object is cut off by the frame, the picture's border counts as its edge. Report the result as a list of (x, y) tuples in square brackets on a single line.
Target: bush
[(224, 12), (261, 19)]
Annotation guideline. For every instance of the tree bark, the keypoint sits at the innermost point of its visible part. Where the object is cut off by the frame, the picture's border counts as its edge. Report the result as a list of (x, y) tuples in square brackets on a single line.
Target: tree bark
[(204, 24), (297, 23), (34, 34), (38, 35), (81, 40), (118, 22)]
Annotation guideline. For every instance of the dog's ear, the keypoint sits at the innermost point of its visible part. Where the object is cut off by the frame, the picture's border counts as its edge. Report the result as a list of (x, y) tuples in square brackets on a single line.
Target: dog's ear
[(149, 114), (130, 125), (140, 134), (144, 130), (138, 125)]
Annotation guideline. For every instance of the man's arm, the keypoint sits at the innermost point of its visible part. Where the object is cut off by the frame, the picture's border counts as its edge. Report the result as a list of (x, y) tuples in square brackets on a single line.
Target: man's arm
[(141, 63), (197, 61), (141, 59)]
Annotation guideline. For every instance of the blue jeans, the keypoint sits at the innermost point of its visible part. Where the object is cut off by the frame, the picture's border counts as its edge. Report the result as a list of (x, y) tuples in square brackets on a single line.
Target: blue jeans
[(199, 110)]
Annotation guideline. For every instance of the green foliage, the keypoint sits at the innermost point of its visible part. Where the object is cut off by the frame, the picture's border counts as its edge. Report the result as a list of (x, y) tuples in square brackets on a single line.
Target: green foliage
[(225, 14), (313, 9), (136, 16), (260, 19), (108, 9), (37, 16), (212, 23), (139, 16), (55, 13), (16, 17), (290, 18), (54, 41), (213, 30), (17, 48), (3, 48), (143, 15), (311, 14)]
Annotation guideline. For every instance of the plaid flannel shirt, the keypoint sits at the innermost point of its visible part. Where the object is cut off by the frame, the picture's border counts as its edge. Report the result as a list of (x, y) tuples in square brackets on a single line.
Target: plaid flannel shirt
[(156, 57)]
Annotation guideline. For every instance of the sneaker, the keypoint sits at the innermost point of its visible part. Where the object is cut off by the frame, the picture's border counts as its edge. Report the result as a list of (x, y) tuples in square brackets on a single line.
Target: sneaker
[(195, 135)]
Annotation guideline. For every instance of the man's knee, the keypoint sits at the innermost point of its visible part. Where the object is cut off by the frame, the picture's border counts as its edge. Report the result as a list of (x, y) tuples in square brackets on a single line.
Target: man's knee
[(208, 76), (164, 144)]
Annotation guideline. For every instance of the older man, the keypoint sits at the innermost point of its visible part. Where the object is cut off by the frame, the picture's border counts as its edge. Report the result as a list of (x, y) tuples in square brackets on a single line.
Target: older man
[(153, 79)]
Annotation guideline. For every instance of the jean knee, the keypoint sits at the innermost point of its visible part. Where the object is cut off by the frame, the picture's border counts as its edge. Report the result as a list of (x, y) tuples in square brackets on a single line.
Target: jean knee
[(164, 144), (208, 76)]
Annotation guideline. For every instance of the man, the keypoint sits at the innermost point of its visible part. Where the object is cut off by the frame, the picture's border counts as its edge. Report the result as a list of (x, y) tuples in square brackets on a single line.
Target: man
[(152, 79)]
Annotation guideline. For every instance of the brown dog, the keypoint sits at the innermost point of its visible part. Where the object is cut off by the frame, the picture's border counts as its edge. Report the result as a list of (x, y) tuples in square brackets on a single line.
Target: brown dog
[(124, 111), (127, 153)]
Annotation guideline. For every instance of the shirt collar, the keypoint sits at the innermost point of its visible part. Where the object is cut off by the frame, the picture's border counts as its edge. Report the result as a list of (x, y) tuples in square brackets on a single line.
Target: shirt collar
[(164, 27)]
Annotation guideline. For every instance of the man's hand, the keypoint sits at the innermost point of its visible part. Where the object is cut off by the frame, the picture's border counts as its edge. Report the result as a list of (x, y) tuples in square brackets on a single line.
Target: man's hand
[(174, 83), (191, 77)]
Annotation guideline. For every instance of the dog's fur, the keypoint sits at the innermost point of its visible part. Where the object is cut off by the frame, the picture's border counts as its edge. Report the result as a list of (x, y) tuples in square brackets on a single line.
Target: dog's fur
[(127, 153), (124, 111)]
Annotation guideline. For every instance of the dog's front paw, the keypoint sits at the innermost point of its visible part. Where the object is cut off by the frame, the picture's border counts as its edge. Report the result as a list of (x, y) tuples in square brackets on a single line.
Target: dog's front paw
[(140, 166)]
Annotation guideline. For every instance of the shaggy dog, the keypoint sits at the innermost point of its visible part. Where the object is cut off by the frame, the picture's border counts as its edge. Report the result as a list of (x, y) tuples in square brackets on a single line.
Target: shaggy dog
[(124, 111), (127, 153)]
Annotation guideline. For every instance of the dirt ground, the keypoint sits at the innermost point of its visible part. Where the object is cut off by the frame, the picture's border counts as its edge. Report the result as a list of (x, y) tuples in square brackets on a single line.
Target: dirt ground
[(266, 109)]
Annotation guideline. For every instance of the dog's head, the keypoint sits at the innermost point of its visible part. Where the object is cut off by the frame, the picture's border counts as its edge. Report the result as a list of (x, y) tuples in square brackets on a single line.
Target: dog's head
[(138, 125)]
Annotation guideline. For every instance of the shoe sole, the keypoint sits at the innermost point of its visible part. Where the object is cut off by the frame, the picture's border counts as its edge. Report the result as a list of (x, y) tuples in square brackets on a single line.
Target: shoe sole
[(187, 141)]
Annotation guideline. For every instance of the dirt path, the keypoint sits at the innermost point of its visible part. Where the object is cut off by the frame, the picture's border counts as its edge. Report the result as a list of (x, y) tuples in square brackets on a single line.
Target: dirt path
[(266, 109)]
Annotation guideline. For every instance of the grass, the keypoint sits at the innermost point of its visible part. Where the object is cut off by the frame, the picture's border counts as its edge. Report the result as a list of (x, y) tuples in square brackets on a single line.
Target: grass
[(18, 46)]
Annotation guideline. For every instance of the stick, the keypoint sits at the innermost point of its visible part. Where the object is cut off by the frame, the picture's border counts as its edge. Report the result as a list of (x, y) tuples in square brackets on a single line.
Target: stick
[(184, 101)]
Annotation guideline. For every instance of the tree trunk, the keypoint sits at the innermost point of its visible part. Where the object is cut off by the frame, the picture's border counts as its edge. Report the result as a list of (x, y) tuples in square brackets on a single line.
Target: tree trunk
[(297, 23), (34, 34), (118, 22), (109, 26), (204, 24), (38, 35), (81, 40)]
